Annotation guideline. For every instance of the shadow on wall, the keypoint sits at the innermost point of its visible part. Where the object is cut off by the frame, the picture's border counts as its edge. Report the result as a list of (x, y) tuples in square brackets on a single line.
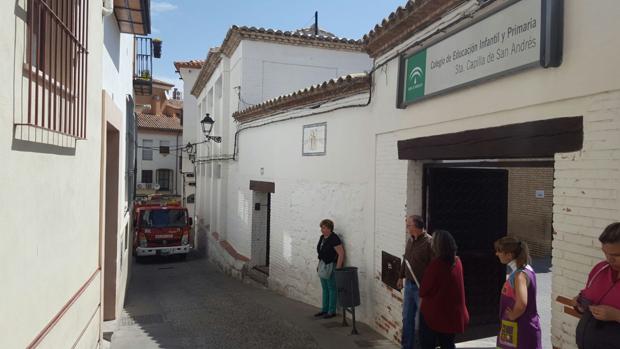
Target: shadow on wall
[(110, 39), (44, 148)]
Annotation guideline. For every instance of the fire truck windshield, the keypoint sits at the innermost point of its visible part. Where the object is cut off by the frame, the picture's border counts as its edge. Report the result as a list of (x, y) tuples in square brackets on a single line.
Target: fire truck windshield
[(160, 218)]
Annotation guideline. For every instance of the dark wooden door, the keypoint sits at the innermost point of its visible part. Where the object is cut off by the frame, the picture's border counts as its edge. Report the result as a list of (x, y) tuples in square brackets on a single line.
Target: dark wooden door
[(472, 205)]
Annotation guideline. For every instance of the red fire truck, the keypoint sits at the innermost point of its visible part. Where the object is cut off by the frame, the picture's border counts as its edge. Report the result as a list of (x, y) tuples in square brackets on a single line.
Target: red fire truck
[(161, 227)]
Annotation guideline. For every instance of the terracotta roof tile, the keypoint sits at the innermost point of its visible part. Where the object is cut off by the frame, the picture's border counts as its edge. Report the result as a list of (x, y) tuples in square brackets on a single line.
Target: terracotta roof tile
[(194, 63), (175, 103), (329, 90), (213, 59), (161, 82), (159, 122), (298, 38), (404, 22)]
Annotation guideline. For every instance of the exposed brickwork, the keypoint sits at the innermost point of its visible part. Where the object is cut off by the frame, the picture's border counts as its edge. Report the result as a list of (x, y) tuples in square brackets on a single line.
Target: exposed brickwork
[(586, 199), (226, 246), (390, 212), (297, 207), (529, 217)]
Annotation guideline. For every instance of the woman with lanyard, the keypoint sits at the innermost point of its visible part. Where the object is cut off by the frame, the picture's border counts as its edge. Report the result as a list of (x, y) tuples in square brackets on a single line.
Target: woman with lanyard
[(599, 326), (331, 255), (519, 320)]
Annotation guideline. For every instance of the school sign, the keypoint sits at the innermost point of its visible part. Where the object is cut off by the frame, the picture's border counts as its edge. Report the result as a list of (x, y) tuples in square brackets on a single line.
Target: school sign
[(520, 35)]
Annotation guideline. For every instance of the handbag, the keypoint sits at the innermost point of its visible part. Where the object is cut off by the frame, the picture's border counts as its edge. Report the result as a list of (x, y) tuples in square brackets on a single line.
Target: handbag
[(325, 270), (508, 333)]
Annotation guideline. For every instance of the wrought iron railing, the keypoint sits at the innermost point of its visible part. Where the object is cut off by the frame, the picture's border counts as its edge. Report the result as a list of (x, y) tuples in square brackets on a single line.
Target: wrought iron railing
[(143, 66), (56, 66)]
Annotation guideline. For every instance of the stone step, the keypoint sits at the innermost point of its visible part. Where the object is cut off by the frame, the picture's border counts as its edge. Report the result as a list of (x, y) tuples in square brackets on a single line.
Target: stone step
[(257, 275)]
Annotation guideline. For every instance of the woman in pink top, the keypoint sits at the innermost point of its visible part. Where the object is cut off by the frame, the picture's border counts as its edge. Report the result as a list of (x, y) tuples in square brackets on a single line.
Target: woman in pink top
[(599, 327)]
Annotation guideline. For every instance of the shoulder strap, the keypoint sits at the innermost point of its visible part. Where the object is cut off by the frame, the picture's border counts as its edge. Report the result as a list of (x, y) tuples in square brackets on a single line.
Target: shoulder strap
[(596, 275)]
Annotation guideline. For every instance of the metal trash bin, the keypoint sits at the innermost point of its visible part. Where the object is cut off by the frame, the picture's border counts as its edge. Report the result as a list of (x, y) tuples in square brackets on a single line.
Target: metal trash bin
[(347, 286)]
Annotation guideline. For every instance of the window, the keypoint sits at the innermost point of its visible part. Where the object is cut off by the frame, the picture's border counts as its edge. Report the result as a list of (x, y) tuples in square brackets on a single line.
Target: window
[(191, 198), (55, 66), (164, 147), (147, 176), (147, 149), (163, 179)]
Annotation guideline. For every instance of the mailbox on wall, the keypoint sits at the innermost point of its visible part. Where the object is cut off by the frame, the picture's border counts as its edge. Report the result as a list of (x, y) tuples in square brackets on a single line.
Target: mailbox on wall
[(390, 268)]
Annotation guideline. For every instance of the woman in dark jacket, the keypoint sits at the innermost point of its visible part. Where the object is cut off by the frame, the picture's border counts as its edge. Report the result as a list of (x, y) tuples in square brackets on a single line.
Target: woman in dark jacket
[(442, 294), (331, 256)]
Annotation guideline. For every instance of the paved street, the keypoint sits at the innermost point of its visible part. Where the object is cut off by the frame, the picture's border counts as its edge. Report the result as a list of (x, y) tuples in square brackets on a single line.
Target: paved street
[(189, 304)]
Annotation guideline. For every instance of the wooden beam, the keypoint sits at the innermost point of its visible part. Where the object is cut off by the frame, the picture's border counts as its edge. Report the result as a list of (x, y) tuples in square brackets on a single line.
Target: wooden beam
[(536, 139), (265, 187)]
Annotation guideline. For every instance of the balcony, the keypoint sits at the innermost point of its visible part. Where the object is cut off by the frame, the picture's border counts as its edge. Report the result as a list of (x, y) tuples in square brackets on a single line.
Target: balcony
[(143, 66)]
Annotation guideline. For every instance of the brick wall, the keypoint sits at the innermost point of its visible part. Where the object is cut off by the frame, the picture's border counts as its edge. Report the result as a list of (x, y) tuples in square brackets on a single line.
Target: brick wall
[(586, 199), (390, 210), (529, 216), (297, 208)]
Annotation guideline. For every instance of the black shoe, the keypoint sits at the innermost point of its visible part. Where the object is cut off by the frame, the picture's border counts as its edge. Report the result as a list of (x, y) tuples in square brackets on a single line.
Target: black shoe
[(319, 314), (329, 315)]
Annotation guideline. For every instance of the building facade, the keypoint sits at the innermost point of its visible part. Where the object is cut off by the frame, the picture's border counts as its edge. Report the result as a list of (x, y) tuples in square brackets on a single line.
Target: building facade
[(188, 72), (160, 141), (504, 138), (251, 65), (66, 120)]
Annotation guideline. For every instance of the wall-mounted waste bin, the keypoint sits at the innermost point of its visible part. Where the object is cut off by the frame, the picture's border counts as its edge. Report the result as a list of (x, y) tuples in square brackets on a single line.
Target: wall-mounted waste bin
[(348, 289)]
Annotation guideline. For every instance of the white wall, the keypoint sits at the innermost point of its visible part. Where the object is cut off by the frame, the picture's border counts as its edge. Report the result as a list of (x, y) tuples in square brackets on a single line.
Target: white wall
[(117, 77), (586, 84), (191, 114), (51, 221), (271, 70), (117, 81), (307, 190), (257, 68), (161, 161)]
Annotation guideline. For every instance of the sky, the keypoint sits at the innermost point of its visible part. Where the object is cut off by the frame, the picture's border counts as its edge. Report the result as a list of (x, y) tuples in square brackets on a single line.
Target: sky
[(188, 28)]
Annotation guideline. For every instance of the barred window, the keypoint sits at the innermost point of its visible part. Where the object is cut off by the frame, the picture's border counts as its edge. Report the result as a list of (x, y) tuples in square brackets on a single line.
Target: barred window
[(55, 66), (164, 147), (147, 176), (147, 149), (163, 179)]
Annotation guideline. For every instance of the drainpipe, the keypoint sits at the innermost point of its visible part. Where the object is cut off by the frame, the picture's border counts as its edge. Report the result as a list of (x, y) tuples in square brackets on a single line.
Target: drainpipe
[(176, 169)]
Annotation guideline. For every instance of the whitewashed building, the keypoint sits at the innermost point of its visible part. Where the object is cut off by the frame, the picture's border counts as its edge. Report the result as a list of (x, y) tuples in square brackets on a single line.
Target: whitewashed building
[(251, 65), (465, 103), (66, 114), (160, 137), (188, 72)]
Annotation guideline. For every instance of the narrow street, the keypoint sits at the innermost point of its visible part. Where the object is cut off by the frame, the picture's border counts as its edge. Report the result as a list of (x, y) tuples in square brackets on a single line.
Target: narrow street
[(190, 304)]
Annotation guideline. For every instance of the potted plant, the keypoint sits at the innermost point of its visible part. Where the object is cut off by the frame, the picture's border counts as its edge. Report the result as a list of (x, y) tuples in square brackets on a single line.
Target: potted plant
[(156, 47), (145, 74)]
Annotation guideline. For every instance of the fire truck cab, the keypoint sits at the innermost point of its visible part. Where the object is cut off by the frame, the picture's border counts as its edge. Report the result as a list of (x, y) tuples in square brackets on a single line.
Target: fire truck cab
[(161, 227)]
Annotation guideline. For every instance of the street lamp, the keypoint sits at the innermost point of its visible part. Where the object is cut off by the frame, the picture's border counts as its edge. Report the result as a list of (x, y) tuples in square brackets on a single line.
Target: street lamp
[(207, 121), (191, 152), (207, 126)]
